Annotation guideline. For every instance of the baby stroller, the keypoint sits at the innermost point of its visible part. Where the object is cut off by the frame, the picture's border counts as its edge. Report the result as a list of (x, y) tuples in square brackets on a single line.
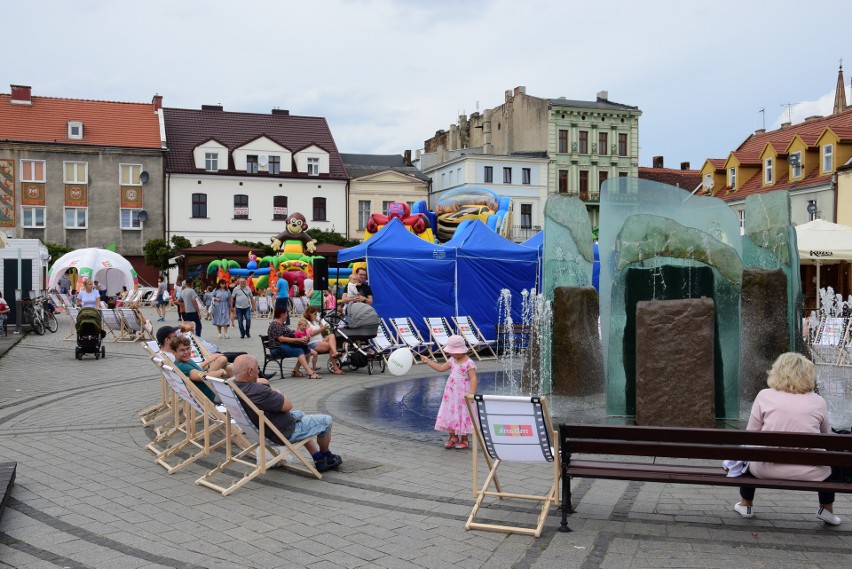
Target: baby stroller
[(353, 339), (90, 334)]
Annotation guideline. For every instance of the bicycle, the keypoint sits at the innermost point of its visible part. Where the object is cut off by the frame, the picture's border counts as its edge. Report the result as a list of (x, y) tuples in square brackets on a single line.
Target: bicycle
[(48, 315), (33, 316)]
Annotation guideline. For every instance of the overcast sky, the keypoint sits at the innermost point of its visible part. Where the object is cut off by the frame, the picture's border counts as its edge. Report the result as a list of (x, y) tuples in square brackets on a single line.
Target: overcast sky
[(388, 74)]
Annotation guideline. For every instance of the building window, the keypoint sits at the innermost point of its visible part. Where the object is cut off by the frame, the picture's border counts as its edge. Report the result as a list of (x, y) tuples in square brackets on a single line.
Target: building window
[(488, 175), (526, 215), (211, 161), (251, 164), (313, 167), (241, 206), (443, 180), (386, 206), (199, 205), (130, 219), (33, 216), (319, 209), (563, 141), (75, 217), (828, 158), (526, 175), (602, 177), (128, 174), (563, 181), (75, 130), (274, 164), (795, 165), (768, 170), (75, 172), (507, 175), (32, 170), (603, 143), (584, 184), (812, 210), (364, 207), (622, 144), (279, 207), (584, 142), (732, 178), (741, 218), (452, 177), (622, 174)]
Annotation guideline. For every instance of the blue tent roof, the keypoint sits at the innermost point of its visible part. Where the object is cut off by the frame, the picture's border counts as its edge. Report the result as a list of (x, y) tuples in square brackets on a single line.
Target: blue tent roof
[(394, 241), (535, 242), (474, 239)]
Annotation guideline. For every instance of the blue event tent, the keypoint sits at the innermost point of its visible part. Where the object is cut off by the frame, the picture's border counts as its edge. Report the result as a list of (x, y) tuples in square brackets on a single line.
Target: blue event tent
[(413, 278)]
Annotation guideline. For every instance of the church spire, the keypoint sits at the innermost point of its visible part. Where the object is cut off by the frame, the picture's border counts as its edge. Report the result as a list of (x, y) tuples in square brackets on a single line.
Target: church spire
[(840, 93)]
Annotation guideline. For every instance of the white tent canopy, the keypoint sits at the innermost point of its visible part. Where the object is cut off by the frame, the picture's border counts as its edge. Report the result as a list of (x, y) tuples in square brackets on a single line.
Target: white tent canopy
[(823, 241), (101, 265)]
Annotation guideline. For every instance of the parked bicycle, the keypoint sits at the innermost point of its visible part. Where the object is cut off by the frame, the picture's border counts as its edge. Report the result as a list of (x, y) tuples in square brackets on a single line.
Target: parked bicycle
[(38, 313)]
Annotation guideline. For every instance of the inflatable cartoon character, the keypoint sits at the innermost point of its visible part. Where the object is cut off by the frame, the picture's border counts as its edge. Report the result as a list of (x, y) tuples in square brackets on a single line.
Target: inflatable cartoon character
[(416, 223), (294, 238), (252, 263)]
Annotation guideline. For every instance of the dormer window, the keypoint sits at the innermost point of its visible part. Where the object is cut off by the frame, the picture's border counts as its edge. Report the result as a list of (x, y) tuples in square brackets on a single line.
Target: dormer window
[(795, 160), (75, 130), (251, 164), (827, 158), (211, 161), (313, 166), (732, 178), (768, 173)]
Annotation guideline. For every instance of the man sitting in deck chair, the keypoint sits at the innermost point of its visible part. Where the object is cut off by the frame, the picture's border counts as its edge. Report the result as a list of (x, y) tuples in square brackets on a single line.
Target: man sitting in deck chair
[(293, 424)]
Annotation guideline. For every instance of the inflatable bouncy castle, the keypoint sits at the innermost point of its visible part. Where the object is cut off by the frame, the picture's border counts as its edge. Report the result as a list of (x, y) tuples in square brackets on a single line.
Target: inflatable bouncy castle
[(473, 202), (417, 223)]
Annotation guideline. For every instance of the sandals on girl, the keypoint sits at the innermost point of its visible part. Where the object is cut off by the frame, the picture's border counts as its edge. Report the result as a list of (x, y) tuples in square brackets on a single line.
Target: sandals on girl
[(462, 444), (298, 374), (451, 442), (314, 376)]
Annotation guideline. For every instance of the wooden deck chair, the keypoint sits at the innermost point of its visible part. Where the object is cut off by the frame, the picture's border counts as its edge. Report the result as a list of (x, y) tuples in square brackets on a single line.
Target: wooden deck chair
[(113, 324), (408, 335), (197, 441), (262, 307), (473, 336), (199, 352), (262, 453), (57, 299), (156, 412), (440, 332), (512, 429), (384, 342), (72, 315), (138, 328)]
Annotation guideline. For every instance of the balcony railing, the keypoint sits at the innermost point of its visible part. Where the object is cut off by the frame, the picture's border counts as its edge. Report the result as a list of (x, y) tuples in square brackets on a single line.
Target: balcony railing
[(523, 232)]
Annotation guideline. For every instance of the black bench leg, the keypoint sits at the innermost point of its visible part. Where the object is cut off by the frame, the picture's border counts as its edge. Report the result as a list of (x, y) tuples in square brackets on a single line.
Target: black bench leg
[(566, 503)]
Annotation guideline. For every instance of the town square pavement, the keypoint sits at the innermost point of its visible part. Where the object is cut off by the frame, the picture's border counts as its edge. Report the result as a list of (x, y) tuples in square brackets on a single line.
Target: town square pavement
[(88, 494)]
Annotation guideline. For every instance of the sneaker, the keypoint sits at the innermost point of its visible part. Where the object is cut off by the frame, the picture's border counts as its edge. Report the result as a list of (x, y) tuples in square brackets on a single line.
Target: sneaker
[(242, 337), (828, 517), (745, 511), (328, 462), (248, 335)]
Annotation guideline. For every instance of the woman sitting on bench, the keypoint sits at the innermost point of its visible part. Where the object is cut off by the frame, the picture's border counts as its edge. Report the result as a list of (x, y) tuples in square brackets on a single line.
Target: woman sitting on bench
[(790, 405)]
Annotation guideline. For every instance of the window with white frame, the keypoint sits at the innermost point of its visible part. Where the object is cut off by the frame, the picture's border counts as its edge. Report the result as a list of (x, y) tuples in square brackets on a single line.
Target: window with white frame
[(741, 219), (526, 175), (507, 175), (32, 170), (75, 172), (129, 174), (364, 214), (827, 158), (75, 130), (795, 165), (130, 219), (76, 217), (386, 206), (211, 161), (732, 178), (33, 216), (768, 173), (313, 166)]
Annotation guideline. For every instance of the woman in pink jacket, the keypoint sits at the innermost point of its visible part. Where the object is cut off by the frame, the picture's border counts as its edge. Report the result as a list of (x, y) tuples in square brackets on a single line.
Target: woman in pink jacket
[(790, 405)]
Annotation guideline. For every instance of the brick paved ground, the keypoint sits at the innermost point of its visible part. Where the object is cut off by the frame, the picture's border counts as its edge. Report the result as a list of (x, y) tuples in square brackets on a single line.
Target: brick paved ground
[(89, 495)]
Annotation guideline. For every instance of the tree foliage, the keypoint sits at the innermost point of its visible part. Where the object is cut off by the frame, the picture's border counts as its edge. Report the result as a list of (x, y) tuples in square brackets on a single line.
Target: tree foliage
[(158, 251), (258, 248), (55, 250)]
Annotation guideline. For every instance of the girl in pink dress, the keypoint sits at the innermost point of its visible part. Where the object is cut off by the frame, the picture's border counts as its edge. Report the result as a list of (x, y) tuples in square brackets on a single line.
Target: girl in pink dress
[(452, 415)]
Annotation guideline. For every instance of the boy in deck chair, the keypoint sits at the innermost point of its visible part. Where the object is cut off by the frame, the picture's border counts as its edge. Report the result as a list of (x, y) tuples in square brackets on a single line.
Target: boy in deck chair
[(278, 408)]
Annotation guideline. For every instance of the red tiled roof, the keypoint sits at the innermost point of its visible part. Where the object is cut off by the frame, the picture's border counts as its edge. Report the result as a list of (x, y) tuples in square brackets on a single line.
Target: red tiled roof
[(105, 123), (686, 179), (755, 184), (809, 131), (187, 128)]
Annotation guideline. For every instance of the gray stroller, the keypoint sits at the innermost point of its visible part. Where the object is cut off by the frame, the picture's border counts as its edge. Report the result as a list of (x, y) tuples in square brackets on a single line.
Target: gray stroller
[(353, 338)]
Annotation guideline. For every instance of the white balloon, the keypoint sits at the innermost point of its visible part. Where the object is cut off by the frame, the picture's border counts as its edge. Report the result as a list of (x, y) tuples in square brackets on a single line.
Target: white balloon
[(399, 362)]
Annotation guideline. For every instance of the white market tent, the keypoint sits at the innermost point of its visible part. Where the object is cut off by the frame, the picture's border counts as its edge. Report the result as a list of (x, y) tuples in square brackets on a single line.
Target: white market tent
[(821, 242), (101, 265)]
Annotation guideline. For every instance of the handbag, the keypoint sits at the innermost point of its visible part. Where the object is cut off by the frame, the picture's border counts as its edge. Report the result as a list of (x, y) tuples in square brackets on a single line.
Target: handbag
[(842, 473)]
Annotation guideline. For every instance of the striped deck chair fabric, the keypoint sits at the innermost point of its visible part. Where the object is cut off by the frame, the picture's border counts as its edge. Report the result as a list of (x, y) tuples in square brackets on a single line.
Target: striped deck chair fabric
[(440, 331), (72, 312), (137, 327), (473, 336), (408, 335), (262, 305), (113, 324), (384, 342)]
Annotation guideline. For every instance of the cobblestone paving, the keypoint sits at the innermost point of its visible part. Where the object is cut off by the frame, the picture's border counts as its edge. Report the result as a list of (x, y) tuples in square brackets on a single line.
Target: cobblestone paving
[(88, 494)]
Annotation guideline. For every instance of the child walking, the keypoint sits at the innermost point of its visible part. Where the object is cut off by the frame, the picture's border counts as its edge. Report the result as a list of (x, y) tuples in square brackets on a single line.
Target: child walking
[(452, 414)]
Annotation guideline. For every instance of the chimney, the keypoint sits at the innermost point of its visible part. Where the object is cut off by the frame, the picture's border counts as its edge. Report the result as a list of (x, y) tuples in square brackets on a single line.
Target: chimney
[(760, 131), (22, 95), (277, 111), (406, 158), (508, 95), (212, 108), (785, 124), (157, 101), (657, 162), (684, 165), (603, 96), (520, 90)]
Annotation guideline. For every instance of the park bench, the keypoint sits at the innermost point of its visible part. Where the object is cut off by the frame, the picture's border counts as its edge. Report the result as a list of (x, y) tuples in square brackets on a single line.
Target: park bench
[(680, 447)]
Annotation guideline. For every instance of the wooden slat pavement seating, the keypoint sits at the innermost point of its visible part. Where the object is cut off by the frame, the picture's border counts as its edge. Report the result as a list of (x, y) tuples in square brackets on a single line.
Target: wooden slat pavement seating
[(682, 446)]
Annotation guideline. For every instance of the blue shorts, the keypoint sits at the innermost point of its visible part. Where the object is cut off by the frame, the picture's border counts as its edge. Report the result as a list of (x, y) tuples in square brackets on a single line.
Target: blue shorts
[(290, 351), (310, 426)]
